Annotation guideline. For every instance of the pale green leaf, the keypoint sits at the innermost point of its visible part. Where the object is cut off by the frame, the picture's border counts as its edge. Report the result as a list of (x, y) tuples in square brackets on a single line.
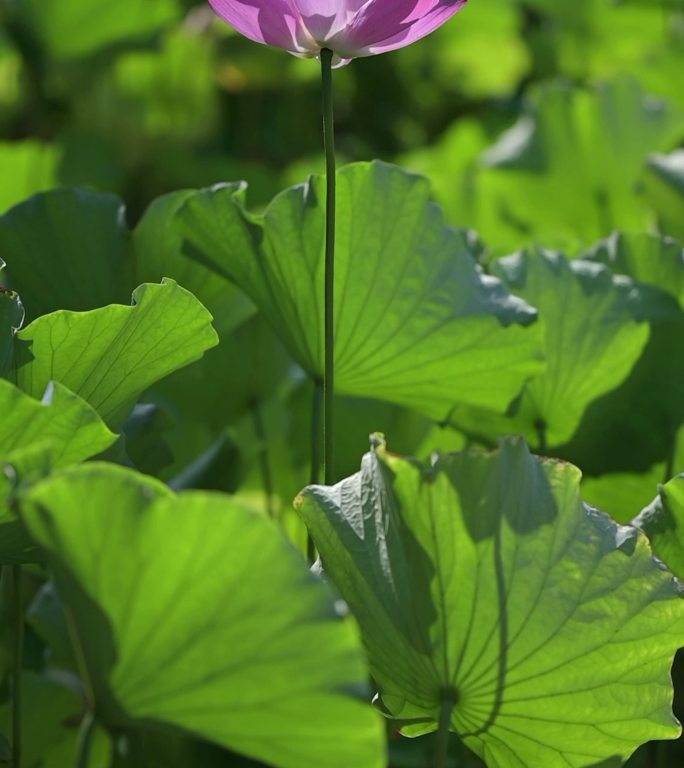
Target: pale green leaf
[(484, 580), (191, 611), (565, 174), (109, 356), (61, 421), (416, 323), (35, 436)]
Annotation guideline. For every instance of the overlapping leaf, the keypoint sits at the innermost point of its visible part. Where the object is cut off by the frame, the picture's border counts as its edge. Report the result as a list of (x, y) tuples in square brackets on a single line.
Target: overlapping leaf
[(634, 426), (648, 259), (664, 189), (593, 338), (35, 436), (61, 421), (11, 319), (46, 706), (68, 249), (158, 252), (482, 580), (193, 612), (565, 174), (415, 323), (663, 523), (109, 356)]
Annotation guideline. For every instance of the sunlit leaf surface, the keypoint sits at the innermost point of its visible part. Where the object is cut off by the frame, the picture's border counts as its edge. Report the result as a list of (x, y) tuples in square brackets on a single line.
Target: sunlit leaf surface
[(109, 356), (191, 611), (484, 580), (416, 323)]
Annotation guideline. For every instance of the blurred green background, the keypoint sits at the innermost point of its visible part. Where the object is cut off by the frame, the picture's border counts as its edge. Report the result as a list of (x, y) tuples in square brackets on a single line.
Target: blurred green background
[(141, 97), (544, 121)]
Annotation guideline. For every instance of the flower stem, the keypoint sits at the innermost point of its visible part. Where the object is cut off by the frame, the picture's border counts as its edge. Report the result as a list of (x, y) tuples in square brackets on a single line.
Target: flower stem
[(18, 611), (441, 751), (329, 325), (85, 739), (315, 476)]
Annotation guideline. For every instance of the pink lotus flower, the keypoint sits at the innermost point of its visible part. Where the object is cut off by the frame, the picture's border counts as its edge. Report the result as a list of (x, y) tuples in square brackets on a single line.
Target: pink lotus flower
[(349, 28)]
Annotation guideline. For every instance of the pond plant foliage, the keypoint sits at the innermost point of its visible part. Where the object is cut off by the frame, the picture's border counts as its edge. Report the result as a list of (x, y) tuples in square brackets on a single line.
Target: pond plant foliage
[(490, 321)]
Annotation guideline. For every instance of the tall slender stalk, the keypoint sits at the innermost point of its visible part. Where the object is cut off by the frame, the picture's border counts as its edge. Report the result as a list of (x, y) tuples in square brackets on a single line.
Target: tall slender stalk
[(85, 739), (316, 458), (329, 332), (442, 749), (18, 652)]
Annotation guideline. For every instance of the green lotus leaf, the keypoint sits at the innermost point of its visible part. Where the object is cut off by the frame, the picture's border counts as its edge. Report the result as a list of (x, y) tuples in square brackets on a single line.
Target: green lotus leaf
[(483, 583), (109, 356), (61, 420), (234, 377), (36, 436), (648, 259), (67, 249), (565, 173), (11, 319), (620, 493), (192, 611), (593, 335), (416, 323), (664, 189), (47, 706), (663, 523), (647, 409), (158, 252)]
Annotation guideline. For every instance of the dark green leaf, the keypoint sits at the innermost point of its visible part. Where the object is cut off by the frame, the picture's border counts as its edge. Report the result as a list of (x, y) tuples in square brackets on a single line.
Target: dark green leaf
[(67, 249), (592, 337), (11, 319), (26, 167), (46, 706)]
